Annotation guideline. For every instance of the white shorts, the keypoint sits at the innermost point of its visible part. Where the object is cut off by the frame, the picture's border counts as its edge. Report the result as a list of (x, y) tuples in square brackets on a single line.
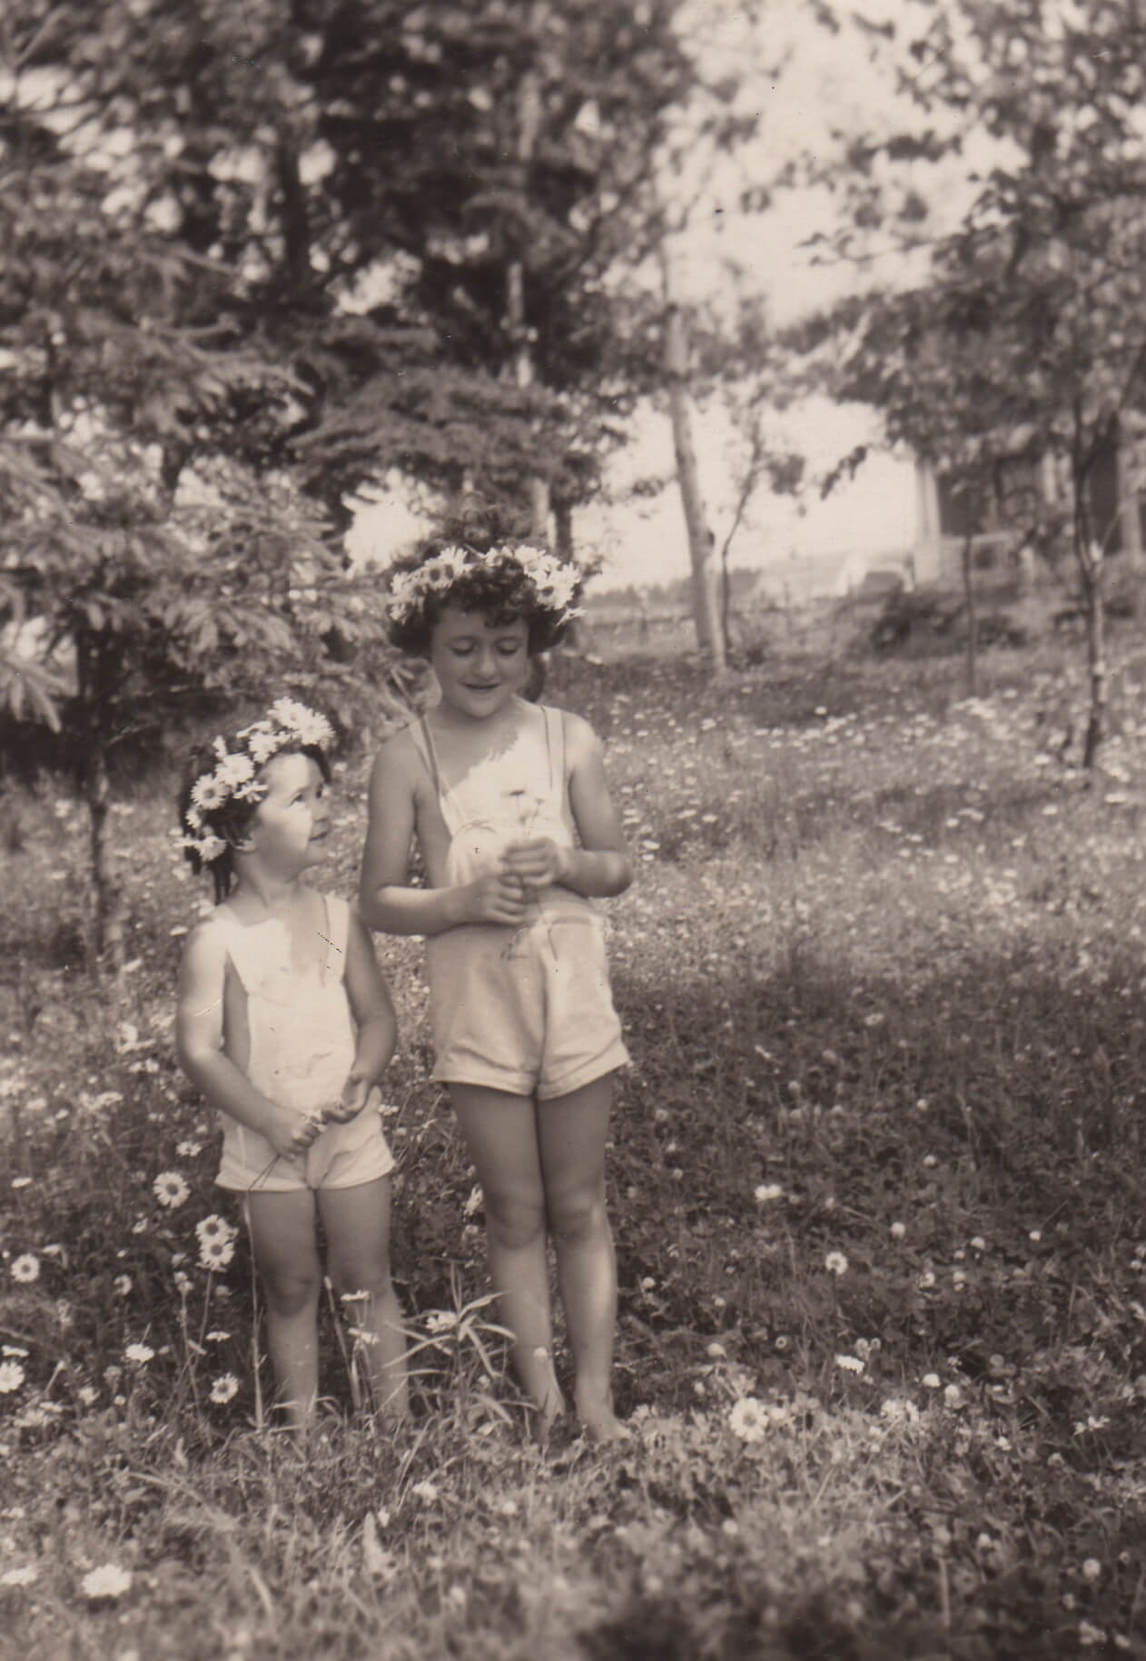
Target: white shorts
[(342, 1156), (529, 1010)]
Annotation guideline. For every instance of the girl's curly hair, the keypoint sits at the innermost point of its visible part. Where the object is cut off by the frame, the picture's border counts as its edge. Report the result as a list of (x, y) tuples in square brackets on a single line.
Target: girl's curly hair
[(501, 593)]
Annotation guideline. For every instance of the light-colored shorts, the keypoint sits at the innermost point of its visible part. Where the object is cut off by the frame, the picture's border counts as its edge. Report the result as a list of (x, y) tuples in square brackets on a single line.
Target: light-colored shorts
[(528, 1011), (343, 1156)]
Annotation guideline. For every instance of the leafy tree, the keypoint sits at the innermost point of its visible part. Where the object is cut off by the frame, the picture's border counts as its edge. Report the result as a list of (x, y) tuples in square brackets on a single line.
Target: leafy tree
[(1031, 323), (426, 207), (516, 145), (148, 552)]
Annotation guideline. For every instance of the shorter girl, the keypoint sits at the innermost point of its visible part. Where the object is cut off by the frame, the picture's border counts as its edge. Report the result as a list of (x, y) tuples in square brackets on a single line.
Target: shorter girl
[(509, 805), (285, 1024)]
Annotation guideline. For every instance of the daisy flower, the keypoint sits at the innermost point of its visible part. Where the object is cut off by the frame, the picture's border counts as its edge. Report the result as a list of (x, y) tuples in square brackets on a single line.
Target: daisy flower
[(224, 1388), (11, 1377), (214, 1228), (216, 1254), (121, 1285), (208, 793), (141, 1353), (238, 769), (748, 1420), (208, 847), (170, 1190), (25, 1268), (108, 1581), (836, 1263), (25, 1575)]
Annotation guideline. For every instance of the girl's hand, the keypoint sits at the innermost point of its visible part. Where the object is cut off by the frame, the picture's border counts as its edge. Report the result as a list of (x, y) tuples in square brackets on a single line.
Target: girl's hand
[(538, 863), (496, 898), (356, 1093), (291, 1132)]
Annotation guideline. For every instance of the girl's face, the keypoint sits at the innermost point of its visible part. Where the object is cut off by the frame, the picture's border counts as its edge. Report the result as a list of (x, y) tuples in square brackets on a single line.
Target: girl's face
[(293, 819), (480, 665)]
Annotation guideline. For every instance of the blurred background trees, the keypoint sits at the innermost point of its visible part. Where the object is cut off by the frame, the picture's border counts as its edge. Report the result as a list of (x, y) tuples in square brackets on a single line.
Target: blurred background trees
[(259, 260), (1017, 329)]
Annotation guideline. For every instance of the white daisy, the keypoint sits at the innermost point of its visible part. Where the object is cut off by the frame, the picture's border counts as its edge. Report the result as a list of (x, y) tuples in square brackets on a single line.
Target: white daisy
[(108, 1581), (748, 1419), (11, 1377), (170, 1190)]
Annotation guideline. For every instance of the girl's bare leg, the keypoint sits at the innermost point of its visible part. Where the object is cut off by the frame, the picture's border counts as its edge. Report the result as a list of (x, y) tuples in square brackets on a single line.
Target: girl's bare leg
[(573, 1130), (285, 1250), (357, 1224), (501, 1134)]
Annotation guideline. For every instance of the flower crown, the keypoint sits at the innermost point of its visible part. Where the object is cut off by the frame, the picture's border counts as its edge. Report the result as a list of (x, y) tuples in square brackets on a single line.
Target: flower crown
[(554, 584), (234, 778)]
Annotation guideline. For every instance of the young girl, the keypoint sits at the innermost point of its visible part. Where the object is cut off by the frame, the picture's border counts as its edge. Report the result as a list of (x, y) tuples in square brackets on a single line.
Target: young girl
[(285, 1024), (517, 832)]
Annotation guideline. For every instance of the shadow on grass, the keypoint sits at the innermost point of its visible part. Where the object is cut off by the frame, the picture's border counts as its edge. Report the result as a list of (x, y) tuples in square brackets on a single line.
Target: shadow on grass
[(971, 1144)]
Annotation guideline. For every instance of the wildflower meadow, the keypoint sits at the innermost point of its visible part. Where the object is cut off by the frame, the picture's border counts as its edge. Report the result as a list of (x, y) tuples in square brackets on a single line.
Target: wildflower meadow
[(877, 1189)]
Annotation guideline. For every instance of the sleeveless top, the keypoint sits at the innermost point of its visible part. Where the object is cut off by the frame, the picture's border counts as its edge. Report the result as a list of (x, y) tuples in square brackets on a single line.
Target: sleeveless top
[(302, 1037), (517, 796)]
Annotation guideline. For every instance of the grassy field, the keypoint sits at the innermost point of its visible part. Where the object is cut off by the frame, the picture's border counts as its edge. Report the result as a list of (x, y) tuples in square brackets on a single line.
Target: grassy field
[(878, 1195)]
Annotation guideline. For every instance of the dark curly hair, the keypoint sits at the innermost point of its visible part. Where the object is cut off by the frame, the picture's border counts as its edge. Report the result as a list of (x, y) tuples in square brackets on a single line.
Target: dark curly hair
[(230, 822), (501, 594)]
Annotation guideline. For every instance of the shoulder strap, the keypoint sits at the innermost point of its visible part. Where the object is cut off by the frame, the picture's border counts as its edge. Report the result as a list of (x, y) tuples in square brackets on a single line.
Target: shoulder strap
[(423, 741), (555, 745)]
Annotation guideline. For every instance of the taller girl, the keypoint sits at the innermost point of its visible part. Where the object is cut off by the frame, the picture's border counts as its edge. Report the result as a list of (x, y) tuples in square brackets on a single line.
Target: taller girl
[(508, 803)]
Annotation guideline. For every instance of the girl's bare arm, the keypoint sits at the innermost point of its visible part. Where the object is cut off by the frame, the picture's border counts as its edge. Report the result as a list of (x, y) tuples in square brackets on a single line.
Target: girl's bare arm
[(601, 866), (374, 1017)]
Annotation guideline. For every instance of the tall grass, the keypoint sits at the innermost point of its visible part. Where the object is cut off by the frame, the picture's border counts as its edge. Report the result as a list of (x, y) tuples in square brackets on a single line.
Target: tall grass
[(877, 1190)]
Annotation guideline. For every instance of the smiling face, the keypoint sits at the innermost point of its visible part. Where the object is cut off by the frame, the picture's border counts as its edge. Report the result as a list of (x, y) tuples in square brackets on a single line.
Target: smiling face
[(293, 819), (480, 664)]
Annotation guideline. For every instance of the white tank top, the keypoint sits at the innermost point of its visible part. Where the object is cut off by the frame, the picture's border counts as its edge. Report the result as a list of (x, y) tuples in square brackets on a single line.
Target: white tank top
[(301, 1028), (512, 797)]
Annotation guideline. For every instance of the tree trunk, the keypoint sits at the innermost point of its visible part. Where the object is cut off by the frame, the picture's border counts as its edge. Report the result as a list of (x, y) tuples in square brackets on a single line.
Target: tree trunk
[(107, 916), (563, 547), (726, 598), (295, 215), (969, 599), (563, 527), (528, 126), (1091, 564), (1129, 522), (705, 610)]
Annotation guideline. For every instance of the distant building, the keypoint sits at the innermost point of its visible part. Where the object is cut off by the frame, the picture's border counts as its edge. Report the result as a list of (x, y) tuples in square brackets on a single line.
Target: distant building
[(1023, 488)]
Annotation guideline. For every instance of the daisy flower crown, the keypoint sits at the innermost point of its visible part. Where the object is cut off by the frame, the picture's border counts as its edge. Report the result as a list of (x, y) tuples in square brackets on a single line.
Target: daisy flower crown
[(551, 586), (235, 775)]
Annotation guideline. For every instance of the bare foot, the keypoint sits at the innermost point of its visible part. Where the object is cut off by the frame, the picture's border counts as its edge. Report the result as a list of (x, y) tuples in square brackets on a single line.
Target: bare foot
[(544, 1420), (600, 1423)]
